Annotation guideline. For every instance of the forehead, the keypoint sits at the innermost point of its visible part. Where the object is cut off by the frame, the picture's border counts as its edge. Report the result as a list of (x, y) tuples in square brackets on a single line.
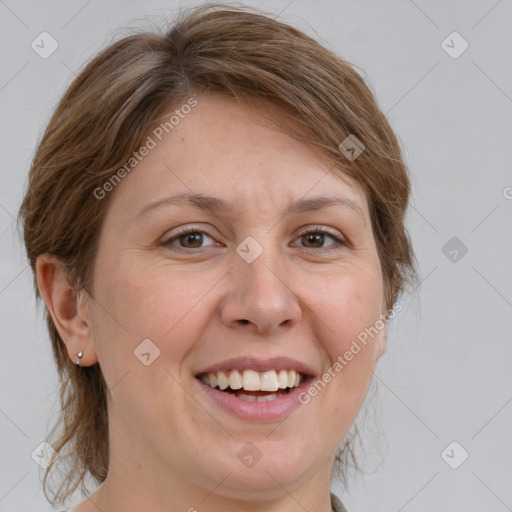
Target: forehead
[(233, 151)]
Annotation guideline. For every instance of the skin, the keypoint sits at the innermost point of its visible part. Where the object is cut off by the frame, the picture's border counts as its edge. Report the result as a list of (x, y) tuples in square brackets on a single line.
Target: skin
[(171, 447)]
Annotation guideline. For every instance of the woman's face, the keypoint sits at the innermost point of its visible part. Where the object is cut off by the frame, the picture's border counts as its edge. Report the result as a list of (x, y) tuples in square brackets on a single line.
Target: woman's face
[(245, 290)]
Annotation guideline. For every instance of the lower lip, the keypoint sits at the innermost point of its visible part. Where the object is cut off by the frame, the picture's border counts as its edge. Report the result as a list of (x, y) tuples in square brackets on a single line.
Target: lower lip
[(273, 410)]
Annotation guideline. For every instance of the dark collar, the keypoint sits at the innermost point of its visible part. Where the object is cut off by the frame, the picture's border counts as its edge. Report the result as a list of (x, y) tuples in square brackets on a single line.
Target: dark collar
[(336, 504)]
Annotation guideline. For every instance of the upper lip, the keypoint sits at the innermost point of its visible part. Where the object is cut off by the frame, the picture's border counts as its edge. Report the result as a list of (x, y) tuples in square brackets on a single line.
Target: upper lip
[(261, 365)]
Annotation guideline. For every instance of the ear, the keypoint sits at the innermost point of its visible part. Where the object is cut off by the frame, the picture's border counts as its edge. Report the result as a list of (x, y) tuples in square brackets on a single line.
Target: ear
[(381, 339), (68, 308), (380, 342)]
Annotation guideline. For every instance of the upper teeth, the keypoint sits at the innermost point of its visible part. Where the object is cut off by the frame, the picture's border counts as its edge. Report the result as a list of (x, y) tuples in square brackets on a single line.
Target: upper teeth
[(251, 380)]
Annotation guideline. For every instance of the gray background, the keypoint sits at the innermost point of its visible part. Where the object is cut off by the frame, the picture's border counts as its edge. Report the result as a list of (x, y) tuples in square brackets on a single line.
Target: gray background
[(446, 374)]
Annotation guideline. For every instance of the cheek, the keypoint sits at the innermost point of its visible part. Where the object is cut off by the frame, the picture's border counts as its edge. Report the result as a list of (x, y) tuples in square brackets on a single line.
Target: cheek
[(172, 307), (348, 304), (148, 303), (349, 309), (165, 305)]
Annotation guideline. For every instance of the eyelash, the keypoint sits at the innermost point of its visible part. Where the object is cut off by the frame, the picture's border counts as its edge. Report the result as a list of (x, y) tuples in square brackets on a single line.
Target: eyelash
[(309, 231)]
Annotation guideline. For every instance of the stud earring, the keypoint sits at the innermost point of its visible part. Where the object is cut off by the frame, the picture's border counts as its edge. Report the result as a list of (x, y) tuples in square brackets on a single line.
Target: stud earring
[(79, 356)]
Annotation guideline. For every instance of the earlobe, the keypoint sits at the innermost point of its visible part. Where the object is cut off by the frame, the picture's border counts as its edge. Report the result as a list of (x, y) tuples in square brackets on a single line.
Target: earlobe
[(68, 308), (381, 346), (381, 340)]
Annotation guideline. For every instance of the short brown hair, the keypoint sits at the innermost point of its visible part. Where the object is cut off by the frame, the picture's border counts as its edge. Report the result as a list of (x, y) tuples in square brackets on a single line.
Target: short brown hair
[(113, 103)]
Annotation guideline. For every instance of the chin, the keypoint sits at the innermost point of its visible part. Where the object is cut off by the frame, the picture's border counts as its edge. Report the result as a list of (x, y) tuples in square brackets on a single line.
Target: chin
[(259, 470)]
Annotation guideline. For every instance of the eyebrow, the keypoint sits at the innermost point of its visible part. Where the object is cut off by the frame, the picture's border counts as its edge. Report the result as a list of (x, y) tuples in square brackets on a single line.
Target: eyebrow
[(216, 205)]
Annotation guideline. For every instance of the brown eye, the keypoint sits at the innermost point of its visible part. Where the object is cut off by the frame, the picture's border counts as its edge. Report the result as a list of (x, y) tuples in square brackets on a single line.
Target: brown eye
[(188, 239), (195, 239), (315, 239)]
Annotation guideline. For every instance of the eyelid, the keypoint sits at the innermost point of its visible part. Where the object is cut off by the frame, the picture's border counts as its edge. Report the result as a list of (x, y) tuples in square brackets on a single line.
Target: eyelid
[(322, 229), (185, 231), (339, 239)]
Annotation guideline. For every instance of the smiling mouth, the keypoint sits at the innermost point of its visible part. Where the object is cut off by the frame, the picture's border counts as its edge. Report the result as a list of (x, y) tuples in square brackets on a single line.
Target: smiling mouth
[(254, 386)]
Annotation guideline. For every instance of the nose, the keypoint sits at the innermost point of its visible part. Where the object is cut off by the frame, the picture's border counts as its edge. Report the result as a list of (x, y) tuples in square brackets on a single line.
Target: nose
[(259, 296)]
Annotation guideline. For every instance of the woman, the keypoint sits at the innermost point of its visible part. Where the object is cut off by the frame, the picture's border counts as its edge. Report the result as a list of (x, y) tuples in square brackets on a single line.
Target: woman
[(215, 221)]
